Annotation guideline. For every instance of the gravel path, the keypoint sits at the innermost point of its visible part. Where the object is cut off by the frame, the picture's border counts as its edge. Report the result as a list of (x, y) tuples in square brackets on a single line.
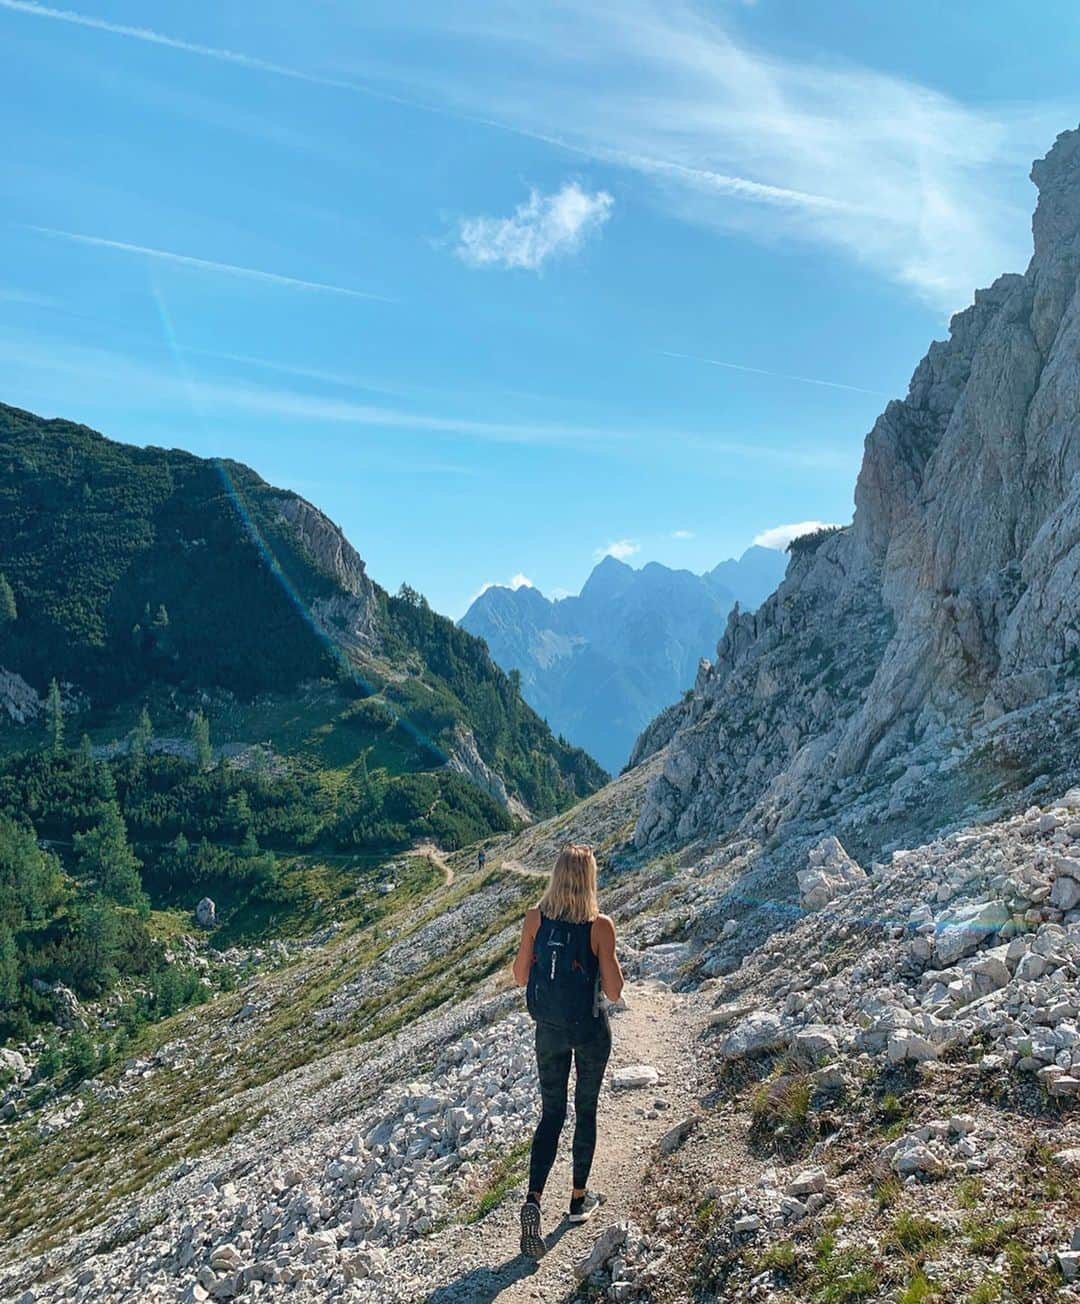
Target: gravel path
[(658, 1028)]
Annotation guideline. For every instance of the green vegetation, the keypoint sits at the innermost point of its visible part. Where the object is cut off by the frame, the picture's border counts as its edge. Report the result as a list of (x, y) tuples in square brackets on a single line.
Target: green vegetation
[(811, 542), (158, 831), (919, 1289), (887, 1192), (988, 1235), (780, 1112), (507, 1174), (142, 572), (912, 1233), (841, 1275), (778, 1257), (988, 1291)]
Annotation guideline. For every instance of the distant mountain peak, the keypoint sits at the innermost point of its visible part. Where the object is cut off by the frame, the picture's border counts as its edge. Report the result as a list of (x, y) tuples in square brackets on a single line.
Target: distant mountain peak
[(600, 665)]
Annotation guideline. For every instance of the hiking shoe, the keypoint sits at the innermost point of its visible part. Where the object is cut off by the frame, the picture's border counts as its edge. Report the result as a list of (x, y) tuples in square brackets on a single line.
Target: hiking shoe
[(532, 1243), (584, 1206)]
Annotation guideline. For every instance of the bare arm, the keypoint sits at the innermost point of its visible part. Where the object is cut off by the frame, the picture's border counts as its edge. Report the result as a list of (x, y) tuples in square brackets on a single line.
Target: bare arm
[(611, 979), (524, 958)]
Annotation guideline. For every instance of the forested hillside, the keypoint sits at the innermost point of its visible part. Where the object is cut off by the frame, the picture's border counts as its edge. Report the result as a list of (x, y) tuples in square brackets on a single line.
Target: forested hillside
[(143, 574)]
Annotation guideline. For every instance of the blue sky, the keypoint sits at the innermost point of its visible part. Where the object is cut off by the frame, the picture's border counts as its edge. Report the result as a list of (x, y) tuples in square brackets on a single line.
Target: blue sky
[(462, 275)]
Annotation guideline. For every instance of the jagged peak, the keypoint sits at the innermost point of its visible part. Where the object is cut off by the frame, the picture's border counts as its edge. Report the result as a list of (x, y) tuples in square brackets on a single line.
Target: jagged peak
[(1057, 176)]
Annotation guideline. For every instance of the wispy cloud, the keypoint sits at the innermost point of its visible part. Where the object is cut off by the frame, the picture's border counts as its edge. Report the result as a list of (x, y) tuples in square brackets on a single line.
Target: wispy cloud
[(620, 549), (682, 534), (925, 190), (152, 37), (545, 226), (779, 536), (777, 375), (9, 294), (87, 370), (204, 264)]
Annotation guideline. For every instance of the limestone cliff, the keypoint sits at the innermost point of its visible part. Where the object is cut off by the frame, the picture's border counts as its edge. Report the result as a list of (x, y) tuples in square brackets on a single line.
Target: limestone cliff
[(913, 664)]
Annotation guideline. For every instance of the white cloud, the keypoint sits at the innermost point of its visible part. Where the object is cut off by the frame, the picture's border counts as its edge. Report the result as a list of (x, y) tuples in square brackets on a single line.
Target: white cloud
[(545, 226), (518, 581), (620, 549), (682, 534), (779, 536)]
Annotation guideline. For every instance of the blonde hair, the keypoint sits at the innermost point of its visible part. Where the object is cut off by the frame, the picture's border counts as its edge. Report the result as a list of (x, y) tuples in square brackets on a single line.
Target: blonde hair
[(571, 890)]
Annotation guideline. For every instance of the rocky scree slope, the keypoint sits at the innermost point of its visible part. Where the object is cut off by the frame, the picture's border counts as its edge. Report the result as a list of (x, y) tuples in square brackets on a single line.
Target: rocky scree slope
[(146, 572), (926, 658), (885, 1090), (315, 1133), (895, 1082), (600, 665)]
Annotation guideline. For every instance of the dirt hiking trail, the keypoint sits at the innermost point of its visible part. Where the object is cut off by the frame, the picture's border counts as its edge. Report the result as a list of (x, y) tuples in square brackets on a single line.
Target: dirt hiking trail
[(657, 1028)]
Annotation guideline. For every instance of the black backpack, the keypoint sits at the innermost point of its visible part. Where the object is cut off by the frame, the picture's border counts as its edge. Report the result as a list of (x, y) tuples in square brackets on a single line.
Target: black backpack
[(564, 981)]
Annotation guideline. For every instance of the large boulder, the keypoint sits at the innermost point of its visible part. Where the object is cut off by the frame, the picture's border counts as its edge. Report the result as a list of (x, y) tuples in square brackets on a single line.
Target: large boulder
[(1065, 892), (13, 1068), (760, 1032), (961, 931), (830, 871), (206, 913)]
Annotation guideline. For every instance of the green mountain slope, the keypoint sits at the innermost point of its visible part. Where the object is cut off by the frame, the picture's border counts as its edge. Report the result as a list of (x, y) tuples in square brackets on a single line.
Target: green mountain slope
[(148, 575)]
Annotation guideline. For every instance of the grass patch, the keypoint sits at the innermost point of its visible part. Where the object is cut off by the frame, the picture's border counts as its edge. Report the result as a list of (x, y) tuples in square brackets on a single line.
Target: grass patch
[(841, 1275), (780, 1113), (988, 1291), (1026, 1276), (779, 1257), (988, 1235), (969, 1194), (911, 1232), (887, 1192), (918, 1290), (507, 1173)]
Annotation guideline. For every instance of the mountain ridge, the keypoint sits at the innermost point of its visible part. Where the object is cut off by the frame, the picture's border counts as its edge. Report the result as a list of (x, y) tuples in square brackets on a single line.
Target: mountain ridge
[(599, 664)]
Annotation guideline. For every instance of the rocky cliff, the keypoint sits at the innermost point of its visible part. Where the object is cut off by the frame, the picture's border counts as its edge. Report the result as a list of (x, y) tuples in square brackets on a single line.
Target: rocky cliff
[(927, 658)]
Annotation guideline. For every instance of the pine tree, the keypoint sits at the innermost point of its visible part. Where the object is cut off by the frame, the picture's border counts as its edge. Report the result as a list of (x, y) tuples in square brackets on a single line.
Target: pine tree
[(95, 943), (54, 716), (200, 737), (104, 855), (259, 768), (238, 812), (9, 971), (8, 609), (138, 741), (86, 753)]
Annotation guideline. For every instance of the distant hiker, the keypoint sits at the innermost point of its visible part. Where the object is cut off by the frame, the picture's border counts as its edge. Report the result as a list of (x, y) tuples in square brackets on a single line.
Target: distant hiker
[(481, 859), (566, 958)]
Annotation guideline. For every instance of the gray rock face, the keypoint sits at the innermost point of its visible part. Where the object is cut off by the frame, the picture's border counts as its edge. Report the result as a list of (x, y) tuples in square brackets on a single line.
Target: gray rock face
[(206, 913), (916, 655), (601, 665), (18, 701), (830, 871)]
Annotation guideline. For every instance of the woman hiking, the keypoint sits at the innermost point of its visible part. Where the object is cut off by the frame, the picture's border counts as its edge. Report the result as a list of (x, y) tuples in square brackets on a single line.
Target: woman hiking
[(566, 958)]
